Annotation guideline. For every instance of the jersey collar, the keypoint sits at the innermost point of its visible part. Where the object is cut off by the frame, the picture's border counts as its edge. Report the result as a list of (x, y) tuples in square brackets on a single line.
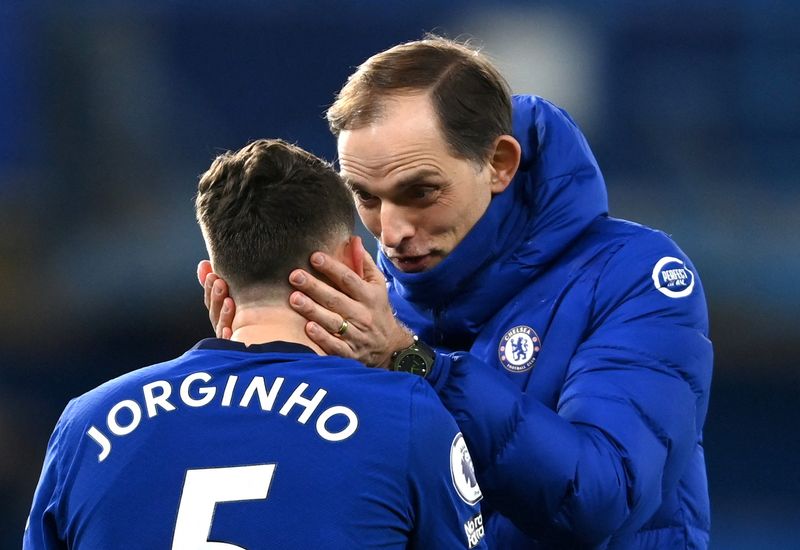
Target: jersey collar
[(278, 346)]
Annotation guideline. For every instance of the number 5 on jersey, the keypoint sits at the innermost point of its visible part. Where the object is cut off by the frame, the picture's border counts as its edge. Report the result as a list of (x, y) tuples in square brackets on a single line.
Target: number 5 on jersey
[(203, 489)]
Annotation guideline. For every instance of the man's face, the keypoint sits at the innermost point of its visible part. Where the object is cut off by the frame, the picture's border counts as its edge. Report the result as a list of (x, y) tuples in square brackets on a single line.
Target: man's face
[(410, 191)]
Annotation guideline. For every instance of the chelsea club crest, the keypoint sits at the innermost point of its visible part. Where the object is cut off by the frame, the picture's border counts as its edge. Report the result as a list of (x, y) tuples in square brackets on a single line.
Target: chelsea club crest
[(519, 348)]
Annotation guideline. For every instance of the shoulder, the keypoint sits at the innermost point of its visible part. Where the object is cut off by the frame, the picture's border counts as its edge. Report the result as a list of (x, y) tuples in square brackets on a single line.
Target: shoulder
[(615, 235), (648, 271), (395, 385), (426, 401), (432, 425), (421, 410), (641, 254), (397, 399), (95, 403), (405, 402), (618, 255)]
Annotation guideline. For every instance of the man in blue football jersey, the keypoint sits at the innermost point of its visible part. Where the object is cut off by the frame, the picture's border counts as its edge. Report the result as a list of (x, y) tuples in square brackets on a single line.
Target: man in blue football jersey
[(571, 347), (260, 441)]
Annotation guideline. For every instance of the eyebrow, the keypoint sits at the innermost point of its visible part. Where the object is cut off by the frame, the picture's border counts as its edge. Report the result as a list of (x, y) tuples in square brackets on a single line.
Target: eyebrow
[(416, 178), (410, 180)]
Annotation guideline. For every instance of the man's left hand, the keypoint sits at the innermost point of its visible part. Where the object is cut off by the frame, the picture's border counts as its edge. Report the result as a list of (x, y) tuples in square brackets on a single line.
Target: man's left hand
[(351, 316)]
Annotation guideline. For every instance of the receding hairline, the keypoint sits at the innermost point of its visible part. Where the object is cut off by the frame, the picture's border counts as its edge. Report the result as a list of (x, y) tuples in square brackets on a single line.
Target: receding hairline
[(381, 109), (464, 86), (374, 108)]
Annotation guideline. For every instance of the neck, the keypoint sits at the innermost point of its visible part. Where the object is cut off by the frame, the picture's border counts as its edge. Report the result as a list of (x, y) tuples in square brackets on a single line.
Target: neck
[(257, 324)]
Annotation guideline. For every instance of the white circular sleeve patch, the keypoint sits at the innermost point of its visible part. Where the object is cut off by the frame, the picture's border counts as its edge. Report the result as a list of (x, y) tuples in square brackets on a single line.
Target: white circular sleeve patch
[(463, 472), (672, 278)]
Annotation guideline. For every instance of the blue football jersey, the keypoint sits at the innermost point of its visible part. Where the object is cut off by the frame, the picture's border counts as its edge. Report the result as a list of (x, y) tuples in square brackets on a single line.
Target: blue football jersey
[(266, 446)]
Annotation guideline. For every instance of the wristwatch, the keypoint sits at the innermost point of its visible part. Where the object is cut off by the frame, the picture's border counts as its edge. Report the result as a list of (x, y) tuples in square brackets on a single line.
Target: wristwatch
[(417, 358)]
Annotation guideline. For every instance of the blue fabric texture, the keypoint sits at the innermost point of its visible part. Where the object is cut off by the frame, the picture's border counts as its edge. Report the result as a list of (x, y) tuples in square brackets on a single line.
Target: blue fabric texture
[(573, 352), (267, 446)]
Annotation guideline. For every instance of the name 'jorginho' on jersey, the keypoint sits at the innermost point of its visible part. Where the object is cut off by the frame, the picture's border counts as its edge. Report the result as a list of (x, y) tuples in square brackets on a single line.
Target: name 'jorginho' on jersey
[(266, 446)]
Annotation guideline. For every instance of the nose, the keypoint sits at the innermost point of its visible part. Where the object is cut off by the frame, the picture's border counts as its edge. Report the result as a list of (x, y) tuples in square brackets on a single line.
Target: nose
[(396, 226)]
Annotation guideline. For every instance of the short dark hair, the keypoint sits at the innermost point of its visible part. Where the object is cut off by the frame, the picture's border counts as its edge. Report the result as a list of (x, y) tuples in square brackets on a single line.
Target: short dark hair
[(265, 208), (468, 93)]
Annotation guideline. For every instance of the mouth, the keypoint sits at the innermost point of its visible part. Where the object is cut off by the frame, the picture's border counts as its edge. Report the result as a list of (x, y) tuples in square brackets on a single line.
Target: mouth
[(413, 264)]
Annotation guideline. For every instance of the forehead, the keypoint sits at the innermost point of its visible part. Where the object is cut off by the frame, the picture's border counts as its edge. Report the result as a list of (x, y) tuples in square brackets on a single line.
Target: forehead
[(405, 136)]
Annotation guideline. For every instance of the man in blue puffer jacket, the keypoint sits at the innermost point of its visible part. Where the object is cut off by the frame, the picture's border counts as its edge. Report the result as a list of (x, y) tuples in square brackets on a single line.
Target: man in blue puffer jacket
[(572, 348)]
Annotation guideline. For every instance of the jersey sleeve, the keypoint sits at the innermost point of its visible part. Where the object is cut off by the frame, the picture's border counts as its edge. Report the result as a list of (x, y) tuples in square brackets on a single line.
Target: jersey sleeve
[(42, 531), (445, 495), (629, 414)]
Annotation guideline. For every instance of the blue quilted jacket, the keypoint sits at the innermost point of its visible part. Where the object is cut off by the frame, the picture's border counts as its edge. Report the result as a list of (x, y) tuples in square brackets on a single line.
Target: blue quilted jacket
[(574, 354)]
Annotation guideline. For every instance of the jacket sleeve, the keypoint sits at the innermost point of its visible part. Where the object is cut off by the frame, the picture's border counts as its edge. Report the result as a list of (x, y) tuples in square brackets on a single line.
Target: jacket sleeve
[(445, 496), (629, 414)]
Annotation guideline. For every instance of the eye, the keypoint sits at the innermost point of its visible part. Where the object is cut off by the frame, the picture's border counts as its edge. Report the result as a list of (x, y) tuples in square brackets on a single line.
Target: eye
[(422, 193), (365, 199)]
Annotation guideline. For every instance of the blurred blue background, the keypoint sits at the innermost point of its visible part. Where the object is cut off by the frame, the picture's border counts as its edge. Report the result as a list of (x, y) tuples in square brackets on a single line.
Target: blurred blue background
[(110, 110)]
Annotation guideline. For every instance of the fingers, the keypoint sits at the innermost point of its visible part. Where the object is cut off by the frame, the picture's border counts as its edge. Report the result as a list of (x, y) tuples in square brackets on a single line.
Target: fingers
[(373, 332), (342, 277), (208, 285), (329, 343), (221, 308), (217, 291), (323, 294), (329, 321), (223, 328)]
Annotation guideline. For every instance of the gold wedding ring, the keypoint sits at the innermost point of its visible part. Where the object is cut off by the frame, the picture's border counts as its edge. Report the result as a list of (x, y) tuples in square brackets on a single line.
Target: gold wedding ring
[(343, 328)]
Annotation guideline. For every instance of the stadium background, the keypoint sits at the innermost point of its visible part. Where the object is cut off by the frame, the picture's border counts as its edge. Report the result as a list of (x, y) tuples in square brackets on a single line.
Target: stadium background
[(110, 110)]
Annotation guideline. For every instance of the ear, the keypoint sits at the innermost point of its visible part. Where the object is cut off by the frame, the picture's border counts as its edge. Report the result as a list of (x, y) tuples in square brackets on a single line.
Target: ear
[(351, 253), (504, 162), (354, 255), (203, 270)]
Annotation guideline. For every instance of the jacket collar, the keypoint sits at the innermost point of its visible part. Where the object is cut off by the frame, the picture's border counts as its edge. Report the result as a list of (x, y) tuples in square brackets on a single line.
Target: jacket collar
[(557, 192)]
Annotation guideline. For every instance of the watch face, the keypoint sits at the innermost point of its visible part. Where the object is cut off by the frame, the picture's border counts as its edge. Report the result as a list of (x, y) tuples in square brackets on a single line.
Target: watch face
[(417, 359), (412, 363)]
